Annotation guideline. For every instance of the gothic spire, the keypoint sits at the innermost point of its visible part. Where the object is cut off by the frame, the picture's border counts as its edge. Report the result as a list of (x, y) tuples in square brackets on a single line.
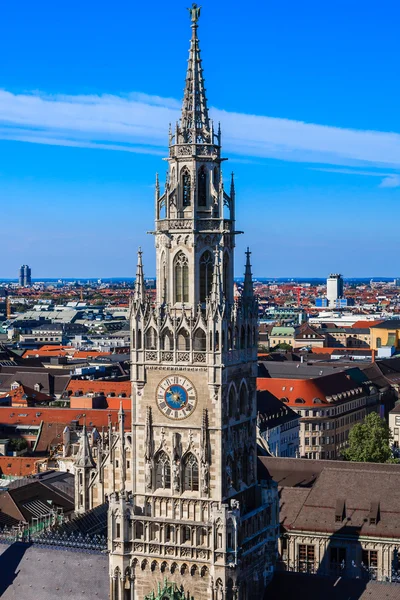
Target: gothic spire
[(194, 121), (84, 457), (121, 422), (248, 292), (139, 282)]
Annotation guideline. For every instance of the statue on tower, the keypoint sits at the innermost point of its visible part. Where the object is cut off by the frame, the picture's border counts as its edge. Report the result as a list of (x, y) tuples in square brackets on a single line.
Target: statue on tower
[(194, 12)]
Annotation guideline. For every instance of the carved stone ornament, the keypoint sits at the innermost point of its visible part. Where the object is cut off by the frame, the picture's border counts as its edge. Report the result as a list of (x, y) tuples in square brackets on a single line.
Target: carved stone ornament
[(175, 476), (148, 474), (205, 476)]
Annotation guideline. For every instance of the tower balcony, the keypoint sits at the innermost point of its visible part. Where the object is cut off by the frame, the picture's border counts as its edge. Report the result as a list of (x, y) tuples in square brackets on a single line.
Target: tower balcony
[(197, 357), (207, 225), (185, 151)]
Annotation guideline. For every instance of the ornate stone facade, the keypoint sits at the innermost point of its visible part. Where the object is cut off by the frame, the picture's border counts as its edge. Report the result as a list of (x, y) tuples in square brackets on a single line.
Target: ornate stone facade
[(193, 511)]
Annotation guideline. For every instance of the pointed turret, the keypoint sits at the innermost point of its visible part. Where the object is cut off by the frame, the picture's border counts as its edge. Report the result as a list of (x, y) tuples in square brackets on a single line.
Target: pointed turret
[(84, 457), (121, 423), (195, 120), (232, 191), (248, 292), (139, 294), (216, 289)]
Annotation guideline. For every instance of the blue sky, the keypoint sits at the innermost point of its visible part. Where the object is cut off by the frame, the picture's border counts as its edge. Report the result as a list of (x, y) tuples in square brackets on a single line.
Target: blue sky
[(308, 98)]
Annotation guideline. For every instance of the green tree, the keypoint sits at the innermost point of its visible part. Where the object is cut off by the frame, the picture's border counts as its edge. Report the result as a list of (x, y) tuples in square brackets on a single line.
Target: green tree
[(17, 444), (370, 441)]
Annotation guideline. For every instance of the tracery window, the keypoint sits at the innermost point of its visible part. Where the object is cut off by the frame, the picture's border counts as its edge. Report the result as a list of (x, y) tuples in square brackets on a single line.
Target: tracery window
[(181, 278), (186, 188), (151, 339), (163, 471), (202, 187), (191, 473), (206, 275)]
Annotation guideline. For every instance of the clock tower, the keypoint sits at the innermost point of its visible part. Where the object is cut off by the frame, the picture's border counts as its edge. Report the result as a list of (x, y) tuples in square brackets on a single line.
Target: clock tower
[(194, 520)]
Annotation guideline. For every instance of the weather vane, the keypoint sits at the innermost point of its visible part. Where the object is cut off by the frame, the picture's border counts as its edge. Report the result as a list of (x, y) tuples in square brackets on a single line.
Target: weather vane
[(194, 12)]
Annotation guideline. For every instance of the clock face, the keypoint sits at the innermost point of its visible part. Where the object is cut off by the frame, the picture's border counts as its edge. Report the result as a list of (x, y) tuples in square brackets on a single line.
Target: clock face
[(176, 397)]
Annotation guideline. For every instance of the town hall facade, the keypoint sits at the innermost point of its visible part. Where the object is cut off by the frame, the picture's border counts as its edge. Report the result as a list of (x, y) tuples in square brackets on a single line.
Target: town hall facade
[(188, 519)]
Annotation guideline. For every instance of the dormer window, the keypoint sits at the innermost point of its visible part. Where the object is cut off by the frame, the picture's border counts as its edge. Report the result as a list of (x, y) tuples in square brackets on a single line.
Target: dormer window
[(340, 510), (15, 385), (373, 516)]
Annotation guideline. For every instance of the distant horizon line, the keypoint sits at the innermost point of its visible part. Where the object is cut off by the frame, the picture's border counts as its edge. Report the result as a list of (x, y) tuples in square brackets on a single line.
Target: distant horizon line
[(153, 277)]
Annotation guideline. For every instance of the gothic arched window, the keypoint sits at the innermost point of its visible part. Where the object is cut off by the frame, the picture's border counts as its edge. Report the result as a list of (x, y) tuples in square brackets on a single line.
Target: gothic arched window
[(151, 339), (191, 473), (163, 471), (242, 337), (199, 340), (183, 340), (243, 400), (167, 340), (232, 402), (206, 275), (186, 188), (202, 187), (181, 265)]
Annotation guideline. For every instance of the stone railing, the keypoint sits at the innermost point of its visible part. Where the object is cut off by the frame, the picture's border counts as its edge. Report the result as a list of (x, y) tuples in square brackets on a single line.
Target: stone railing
[(179, 356)]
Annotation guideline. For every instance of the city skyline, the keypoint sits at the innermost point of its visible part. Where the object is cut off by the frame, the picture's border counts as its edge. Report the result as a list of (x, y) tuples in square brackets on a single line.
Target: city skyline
[(307, 134)]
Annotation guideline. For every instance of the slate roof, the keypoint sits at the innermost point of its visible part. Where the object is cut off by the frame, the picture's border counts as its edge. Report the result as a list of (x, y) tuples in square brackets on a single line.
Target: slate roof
[(287, 586), (32, 572), (389, 324), (52, 382), (32, 500), (310, 492), (295, 370), (273, 412)]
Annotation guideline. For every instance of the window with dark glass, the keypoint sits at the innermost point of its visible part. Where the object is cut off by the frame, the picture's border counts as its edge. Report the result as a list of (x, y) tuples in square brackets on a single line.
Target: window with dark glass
[(206, 275), (163, 471), (191, 473), (306, 557), (181, 278), (202, 187), (186, 188), (370, 558), (338, 555)]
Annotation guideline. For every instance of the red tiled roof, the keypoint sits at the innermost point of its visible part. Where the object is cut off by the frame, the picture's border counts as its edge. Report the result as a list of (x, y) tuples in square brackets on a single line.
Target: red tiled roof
[(365, 324), (18, 466), (35, 416), (109, 388), (310, 389), (324, 350), (61, 351), (17, 395)]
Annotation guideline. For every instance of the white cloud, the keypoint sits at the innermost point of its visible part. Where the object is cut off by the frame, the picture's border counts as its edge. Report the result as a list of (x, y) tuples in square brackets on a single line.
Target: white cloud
[(391, 181), (388, 179), (138, 123)]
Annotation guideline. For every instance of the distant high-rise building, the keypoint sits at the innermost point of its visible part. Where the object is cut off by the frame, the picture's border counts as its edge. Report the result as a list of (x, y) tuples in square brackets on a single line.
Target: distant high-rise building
[(334, 288), (25, 276)]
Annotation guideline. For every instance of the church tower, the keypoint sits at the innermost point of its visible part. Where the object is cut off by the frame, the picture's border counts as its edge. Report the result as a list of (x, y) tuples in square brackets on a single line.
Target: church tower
[(195, 521)]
